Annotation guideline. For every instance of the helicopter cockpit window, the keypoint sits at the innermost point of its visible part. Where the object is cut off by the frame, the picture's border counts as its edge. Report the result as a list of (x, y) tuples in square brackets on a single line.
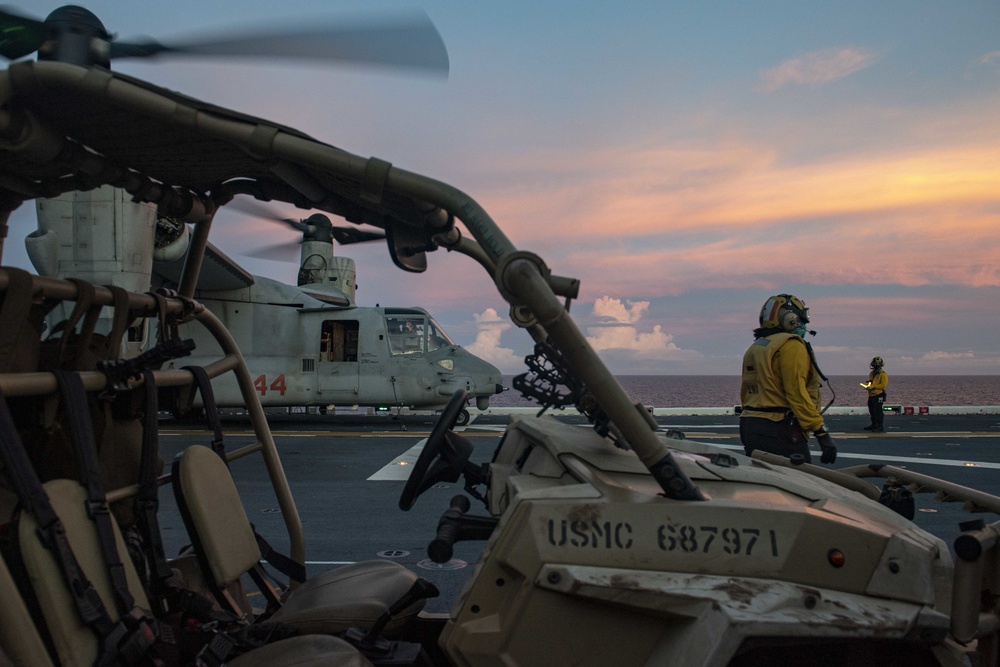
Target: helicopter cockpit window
[(406, 334), (436, 337), (339, 340)]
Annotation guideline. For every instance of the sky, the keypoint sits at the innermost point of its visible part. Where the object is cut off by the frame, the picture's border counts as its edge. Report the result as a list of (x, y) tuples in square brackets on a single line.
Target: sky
[(684, 160)]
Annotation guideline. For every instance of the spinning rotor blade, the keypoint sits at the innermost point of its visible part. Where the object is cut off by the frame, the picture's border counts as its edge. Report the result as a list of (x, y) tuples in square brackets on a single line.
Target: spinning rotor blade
[(348, 235), (19, 34), (254, 209), (279, 252), (402, 40), (342, 235), (285, 252)]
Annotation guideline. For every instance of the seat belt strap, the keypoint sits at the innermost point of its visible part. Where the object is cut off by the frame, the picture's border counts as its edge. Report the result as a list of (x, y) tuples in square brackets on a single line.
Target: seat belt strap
[(51, 532), (282, 563), (130, 639), (81, 432), (14, 314), (147, 501), (211, 410)]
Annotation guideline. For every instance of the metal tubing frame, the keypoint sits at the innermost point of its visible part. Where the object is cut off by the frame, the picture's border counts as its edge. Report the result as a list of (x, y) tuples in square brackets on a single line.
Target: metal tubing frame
[(839, 477), (37, 384), (921, 483), (531, 288)]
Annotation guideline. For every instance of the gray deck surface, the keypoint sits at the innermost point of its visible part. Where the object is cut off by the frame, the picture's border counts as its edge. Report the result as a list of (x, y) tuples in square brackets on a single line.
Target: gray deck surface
[(343, 472)]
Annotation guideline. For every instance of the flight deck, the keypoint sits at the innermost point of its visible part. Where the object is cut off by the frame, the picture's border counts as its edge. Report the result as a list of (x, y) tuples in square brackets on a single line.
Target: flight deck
[(347, 472)]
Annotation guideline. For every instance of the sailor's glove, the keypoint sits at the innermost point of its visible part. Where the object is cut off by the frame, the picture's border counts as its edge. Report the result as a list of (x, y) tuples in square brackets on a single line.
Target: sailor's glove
[(826, 444)]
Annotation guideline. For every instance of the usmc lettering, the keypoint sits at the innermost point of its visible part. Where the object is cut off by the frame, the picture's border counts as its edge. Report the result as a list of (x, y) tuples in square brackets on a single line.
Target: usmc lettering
[(590, 534)]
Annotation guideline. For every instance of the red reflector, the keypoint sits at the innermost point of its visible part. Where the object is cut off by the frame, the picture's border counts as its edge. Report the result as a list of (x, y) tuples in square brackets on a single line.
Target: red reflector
[(836, 557)]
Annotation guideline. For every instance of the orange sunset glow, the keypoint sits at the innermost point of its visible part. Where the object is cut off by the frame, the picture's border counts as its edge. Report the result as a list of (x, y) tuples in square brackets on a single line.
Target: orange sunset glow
[(683, 161)]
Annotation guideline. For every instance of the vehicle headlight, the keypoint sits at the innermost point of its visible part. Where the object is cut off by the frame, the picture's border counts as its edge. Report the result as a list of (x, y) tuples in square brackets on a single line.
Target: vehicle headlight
[(446, 364)]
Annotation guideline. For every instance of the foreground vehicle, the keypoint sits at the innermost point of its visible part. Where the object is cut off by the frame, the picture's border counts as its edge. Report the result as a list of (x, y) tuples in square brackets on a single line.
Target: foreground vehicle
[(615, 545)]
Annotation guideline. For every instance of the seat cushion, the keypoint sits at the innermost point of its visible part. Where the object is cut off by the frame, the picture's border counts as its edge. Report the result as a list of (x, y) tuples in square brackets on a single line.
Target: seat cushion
[(309, 651), (352, 595), (215, 516), (73, 641)]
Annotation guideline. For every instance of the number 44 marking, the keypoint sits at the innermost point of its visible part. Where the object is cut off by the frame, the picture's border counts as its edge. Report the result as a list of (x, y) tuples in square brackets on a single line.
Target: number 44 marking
[(260, 384)]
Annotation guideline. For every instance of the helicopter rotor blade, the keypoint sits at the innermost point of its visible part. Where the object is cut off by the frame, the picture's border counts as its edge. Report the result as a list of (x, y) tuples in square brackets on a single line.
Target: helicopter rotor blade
[(255, 210), (407, 40), (279, 252), (348, 235), (19, 35), (342, 235)]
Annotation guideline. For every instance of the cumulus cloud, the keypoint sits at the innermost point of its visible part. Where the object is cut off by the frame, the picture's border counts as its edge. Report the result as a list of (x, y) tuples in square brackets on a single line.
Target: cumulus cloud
[(487, 344), (616, 332), (817, 68), (614, 310)]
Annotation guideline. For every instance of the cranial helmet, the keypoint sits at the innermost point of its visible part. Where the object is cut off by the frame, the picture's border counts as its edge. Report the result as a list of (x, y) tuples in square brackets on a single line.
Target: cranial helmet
[(785, 312), (876, 364)]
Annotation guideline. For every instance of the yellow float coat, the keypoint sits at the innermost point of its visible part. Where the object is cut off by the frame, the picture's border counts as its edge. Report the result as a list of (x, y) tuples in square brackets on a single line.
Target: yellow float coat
[(877, 382), (778, 373)]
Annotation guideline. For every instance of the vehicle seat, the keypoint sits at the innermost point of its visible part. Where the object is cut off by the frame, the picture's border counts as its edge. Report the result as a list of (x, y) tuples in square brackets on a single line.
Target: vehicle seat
[(74, 642), (355, 595)]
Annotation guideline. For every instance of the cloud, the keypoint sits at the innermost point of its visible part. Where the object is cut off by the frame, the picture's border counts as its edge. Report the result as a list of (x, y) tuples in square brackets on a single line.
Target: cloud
[(615, 310), (947, 356), (615, 333), (816, 68), (911, 213), (487, 343), (990, 57)]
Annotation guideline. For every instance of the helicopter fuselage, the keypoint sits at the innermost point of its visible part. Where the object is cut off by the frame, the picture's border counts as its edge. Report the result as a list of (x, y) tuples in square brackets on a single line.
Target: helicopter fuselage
[(306, 345), (303, 352)]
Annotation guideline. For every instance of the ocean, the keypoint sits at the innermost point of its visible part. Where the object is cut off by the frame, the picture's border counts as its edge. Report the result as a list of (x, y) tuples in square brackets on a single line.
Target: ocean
[(700, 391)]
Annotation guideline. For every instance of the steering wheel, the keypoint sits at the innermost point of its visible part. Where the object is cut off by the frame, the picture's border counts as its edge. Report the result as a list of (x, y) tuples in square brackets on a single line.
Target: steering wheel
[(448, 458)]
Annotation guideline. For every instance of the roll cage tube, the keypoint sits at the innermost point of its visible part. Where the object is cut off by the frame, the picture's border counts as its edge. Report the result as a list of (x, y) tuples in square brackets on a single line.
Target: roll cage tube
[(524, 281)]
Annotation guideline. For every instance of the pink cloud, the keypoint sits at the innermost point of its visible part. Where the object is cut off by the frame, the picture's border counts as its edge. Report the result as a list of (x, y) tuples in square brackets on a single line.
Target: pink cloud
[(615, 310)]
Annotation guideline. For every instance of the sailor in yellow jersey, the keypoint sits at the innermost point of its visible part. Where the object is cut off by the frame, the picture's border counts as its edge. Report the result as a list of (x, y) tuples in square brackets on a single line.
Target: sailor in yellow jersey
[(780, 389), (878, 380)]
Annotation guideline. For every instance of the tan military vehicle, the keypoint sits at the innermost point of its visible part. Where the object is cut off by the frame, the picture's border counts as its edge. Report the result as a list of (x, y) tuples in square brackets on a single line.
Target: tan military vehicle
[(614, 545)]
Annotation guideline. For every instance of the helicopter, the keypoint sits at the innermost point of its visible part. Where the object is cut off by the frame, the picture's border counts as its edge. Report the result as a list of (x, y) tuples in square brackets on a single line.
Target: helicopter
[(613, 544), (307, 345)]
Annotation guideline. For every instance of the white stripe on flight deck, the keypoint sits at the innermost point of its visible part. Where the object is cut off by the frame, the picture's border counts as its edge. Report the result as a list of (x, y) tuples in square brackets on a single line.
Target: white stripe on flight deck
[(398, 470), (886, 458)]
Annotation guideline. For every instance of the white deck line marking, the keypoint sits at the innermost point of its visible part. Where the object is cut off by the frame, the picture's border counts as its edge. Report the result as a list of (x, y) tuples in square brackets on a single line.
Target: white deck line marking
[(398, 470), (885, 458)]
